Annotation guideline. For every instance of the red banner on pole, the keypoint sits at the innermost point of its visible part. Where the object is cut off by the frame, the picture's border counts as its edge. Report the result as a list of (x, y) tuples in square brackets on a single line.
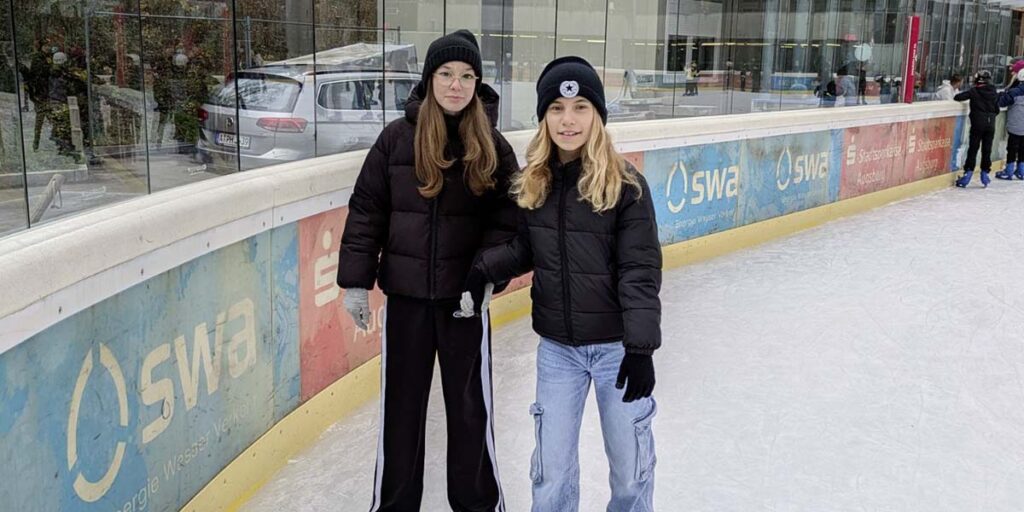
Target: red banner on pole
[(913, 33)]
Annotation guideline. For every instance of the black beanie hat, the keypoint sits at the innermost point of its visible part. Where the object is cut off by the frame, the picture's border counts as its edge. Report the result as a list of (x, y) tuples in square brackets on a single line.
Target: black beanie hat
[(568, 77), (460, 45)]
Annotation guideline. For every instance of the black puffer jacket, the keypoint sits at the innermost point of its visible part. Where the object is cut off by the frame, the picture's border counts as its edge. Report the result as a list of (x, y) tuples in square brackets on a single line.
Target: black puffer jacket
[(596, 277), (417, 247), (984, 106)]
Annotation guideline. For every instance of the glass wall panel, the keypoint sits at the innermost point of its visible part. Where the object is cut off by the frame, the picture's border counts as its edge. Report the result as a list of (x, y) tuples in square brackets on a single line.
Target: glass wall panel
[(13, 209), (698, 57), (415, 22), (82, 151), (795, 76), (273, 85), (112, 99), (580, 28), (533, 24), (752, 38), (639, 83), (189, 54), (355, 96)]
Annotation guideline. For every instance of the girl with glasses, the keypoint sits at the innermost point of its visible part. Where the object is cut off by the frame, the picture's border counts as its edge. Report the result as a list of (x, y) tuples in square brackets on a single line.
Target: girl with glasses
[(431, 194)]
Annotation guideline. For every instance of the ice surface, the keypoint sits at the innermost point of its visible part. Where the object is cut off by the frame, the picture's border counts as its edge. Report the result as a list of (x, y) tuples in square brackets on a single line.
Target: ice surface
[(873, 363)]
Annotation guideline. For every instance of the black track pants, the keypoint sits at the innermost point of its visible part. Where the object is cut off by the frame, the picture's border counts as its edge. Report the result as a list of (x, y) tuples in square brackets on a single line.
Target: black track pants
[(414, 332)]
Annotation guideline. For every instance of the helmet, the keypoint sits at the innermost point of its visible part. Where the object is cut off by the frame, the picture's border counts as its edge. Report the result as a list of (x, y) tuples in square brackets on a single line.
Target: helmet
[(983, 77)]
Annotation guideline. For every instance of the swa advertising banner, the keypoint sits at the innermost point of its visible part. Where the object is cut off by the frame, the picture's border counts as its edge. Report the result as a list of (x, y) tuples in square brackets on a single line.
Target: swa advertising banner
[(789, 173), (139, 401), (695, 189), (705, 189)]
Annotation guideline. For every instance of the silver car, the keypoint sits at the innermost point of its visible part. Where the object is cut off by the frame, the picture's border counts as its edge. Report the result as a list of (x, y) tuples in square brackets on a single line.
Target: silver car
[(291, 112)]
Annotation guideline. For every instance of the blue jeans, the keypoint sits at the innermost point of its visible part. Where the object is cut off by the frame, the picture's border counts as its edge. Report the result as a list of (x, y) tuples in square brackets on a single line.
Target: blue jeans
[(563, 381)]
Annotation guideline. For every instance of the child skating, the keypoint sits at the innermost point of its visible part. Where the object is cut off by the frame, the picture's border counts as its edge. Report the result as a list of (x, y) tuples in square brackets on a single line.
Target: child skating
[(984, 107), (1013, 98)]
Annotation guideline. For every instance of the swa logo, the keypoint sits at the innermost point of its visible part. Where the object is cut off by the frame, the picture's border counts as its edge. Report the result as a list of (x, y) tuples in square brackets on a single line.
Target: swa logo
[(233, 351), (700, 186), (803, 168)]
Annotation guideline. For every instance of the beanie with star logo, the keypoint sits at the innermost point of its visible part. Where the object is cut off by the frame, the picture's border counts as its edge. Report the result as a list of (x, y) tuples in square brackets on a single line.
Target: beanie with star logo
[(569, 77)]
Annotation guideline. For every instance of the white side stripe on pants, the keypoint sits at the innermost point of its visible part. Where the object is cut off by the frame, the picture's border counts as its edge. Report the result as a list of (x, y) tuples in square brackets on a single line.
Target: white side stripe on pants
[(378, 477), (485, 379)]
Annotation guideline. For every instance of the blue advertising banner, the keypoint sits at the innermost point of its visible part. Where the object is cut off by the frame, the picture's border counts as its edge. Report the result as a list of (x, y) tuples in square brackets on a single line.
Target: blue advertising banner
[(139, 401), (695, 189), (789, 173)]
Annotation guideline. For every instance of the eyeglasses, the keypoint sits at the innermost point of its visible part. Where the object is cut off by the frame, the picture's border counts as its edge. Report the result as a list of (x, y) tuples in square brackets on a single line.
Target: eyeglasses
[(447, 78)]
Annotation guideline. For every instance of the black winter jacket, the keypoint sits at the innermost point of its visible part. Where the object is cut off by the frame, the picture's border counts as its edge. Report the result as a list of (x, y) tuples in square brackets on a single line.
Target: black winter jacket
[(416, 247), (596, 277), (984, 106)]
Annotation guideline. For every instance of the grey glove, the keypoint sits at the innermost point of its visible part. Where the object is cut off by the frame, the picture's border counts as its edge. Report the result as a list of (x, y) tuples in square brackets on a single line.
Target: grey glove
[(468, 303), (357, 303)]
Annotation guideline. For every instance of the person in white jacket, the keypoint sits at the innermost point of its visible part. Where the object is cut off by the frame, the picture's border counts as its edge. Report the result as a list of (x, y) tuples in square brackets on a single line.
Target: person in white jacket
[(949, 88)]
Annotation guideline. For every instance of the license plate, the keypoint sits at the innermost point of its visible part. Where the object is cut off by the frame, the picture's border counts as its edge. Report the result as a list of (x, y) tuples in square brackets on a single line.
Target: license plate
[(228, 139)]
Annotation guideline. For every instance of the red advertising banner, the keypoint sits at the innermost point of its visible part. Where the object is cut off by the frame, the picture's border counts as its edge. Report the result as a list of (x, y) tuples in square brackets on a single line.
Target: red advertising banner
[(929, 148), (872, 159), (910, 56), (330, 345), (636, 158)]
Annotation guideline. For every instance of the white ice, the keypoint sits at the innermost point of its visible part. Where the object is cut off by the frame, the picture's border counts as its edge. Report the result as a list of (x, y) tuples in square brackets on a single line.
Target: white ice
[(872, 363)]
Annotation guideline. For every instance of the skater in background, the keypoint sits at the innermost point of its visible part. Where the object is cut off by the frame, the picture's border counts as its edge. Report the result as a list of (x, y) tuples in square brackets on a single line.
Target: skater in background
[(984, 107), (432, 192), (588, 232), (1013, 98), (949, 88)]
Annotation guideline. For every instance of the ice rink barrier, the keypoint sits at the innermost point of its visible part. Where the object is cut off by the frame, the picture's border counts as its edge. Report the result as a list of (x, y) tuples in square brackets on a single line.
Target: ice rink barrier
[(172, 351)]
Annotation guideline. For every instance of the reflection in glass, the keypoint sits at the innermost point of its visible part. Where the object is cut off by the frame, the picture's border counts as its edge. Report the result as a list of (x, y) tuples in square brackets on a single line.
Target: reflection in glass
[(113, 103), (355, 96), (533, 23), (273, 87), (13, 210), (82, 115), (188, 56)]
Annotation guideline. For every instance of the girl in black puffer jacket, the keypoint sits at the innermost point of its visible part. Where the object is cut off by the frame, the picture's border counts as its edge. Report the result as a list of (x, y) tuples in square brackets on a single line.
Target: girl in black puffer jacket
[(432, 193), (588, 232)]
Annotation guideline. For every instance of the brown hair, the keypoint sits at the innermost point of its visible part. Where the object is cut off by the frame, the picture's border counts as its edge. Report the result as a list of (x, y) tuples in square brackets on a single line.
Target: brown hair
[(480, 159)]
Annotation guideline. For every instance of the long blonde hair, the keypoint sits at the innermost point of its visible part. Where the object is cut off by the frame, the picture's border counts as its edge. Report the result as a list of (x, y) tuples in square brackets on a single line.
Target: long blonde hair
[(431, 138), (604, 171)]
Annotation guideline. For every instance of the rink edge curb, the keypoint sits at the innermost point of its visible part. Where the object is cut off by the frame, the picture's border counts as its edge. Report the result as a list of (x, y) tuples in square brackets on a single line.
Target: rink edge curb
[(237, 483)]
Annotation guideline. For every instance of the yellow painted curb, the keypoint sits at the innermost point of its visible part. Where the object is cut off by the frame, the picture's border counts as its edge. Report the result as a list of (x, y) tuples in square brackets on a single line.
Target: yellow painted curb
[(241, 479), (510, 307), (236, 483)]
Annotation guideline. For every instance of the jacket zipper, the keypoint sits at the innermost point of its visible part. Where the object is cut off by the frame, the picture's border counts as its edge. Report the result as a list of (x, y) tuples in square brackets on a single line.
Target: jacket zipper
[(566, 298)]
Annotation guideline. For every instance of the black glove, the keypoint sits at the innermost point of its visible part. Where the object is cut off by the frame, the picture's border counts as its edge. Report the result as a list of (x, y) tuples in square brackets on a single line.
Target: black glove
[(638, 370)]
